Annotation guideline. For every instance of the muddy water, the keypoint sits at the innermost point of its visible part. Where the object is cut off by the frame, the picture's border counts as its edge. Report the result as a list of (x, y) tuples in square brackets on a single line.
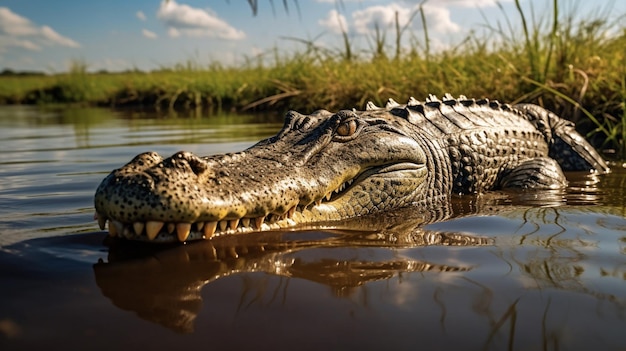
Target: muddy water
[(549, 270)]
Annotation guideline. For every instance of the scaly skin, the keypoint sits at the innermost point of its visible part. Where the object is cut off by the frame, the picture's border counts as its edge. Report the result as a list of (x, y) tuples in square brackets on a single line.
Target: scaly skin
[(327, 167)]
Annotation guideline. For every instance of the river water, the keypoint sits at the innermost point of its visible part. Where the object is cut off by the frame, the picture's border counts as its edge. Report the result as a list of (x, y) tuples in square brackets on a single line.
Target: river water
[(550, 273)]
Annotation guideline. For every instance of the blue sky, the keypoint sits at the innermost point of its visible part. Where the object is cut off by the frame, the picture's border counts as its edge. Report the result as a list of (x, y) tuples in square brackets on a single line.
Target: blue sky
[(115, 35)]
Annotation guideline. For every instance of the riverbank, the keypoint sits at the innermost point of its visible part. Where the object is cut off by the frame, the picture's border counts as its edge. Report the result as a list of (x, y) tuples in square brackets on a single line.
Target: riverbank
[(575, 67)]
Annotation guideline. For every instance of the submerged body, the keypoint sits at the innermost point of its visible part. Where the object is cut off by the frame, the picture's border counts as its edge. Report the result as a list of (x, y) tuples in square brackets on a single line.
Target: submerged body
[(327, 167)]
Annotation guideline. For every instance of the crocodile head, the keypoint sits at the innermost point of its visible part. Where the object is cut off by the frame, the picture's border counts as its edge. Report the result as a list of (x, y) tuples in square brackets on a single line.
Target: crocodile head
[(319, 168)]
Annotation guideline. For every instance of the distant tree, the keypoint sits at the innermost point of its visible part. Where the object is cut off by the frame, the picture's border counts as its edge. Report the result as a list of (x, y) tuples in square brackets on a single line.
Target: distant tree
[(9, 72)]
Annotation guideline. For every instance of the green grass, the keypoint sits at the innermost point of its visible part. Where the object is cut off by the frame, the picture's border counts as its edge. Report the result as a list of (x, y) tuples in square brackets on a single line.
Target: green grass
[(573, 65)]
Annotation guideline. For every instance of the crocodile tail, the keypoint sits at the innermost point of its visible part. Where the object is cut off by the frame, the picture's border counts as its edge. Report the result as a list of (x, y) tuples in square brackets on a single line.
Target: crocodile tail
[(567, 146)]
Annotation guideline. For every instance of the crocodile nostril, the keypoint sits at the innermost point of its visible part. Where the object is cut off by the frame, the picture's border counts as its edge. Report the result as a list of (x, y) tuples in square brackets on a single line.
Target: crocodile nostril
[(197, 165)]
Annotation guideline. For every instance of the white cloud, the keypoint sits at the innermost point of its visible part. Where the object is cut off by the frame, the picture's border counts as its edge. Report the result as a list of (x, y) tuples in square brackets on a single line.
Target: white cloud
[(14, 24), (384, 16), (18, 31), (6, 41), (335, 22), (56, 38), (173, 32), (186, 20), (148, 34), (438, 18), (141, 15)]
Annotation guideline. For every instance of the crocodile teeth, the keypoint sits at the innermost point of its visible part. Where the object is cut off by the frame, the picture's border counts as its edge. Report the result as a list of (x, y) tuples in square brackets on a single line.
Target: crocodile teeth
[(245, 222), (127, 233), (153, 228), (258, 222), (102, 222), (232, 224), (171, 227), (209, 229), (112, 229), (223, 225), (116, 228), (138, 227), (182, 231), (341, 188), (199, 225), (291, 212)]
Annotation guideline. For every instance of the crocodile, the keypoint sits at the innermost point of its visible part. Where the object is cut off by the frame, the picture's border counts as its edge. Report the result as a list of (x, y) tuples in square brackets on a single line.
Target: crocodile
[(324, 168)]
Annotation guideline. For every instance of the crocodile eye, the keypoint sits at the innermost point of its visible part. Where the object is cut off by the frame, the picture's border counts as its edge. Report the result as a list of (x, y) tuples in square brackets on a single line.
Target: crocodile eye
[(347, 128)]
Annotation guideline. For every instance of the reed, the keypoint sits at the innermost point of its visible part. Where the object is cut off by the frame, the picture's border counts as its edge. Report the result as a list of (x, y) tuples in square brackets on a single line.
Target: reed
[(572, 64)]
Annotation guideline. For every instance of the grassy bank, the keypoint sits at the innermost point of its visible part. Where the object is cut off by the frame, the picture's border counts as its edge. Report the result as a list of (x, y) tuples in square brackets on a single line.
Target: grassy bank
[(573, 65)]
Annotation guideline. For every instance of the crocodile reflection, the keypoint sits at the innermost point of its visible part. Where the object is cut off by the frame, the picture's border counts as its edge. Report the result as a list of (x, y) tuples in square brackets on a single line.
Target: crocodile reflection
[(539, 253), (163, 285)]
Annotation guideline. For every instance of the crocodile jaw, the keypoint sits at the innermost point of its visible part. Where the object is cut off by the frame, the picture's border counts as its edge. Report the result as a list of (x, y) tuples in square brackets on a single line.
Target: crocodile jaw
[(351, 198)]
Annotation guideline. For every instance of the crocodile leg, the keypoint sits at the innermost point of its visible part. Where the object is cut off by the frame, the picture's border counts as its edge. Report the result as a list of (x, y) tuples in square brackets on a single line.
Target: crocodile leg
[(568, 147), (537, 173)]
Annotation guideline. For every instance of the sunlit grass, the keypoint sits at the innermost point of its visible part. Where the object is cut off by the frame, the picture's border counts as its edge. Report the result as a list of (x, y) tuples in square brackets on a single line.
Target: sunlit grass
[(573, 65)]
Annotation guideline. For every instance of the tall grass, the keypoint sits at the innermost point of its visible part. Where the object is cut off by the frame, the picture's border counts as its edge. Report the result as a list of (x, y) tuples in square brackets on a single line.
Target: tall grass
[(572, 64)]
